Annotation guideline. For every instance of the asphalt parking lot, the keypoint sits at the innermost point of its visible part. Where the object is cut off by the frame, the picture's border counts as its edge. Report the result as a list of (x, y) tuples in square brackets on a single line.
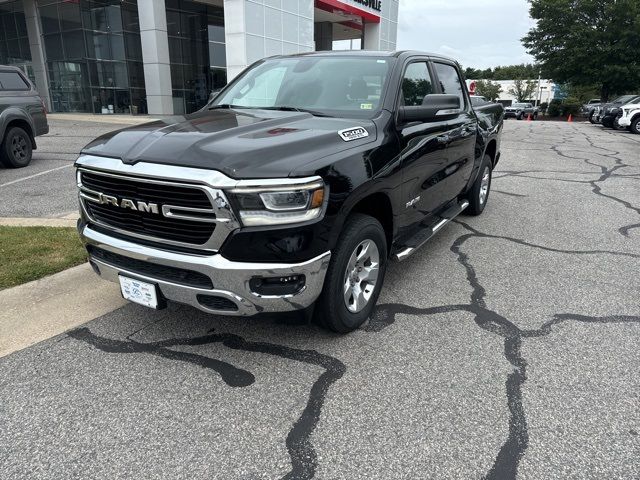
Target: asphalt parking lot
[(506, 348), (46, 188)]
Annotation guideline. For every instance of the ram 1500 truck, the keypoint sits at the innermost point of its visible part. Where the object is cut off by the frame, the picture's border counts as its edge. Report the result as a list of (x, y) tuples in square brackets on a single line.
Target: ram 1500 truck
[(293, 188)]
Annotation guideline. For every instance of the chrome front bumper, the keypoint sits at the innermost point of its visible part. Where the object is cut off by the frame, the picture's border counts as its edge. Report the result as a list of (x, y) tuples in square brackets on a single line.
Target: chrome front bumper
[(230, 279)]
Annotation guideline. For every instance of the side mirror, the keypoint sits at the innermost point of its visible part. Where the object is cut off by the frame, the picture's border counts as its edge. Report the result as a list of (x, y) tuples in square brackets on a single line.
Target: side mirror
[(434, 107)]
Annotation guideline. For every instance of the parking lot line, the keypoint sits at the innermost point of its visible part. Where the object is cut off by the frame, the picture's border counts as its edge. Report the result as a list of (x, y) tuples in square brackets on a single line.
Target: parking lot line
[(29, 177)]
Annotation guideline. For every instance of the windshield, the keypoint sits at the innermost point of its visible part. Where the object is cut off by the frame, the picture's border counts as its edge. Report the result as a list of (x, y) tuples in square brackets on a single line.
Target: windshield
[(521, 105), (335, 86)]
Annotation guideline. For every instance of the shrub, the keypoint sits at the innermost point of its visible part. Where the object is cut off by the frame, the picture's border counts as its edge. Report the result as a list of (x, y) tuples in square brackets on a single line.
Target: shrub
[(571, 106), (553, 110)]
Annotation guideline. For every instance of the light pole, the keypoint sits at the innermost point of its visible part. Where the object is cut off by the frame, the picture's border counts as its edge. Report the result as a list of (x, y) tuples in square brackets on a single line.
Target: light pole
[(539, 96)]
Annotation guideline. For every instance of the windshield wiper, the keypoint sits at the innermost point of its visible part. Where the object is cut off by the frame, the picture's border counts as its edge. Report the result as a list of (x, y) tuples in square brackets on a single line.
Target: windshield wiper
[(284, 108), (225, 106)]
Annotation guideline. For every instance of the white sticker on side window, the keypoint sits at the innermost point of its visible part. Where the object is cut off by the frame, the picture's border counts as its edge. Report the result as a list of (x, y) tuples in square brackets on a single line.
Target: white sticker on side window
[(353, 133)]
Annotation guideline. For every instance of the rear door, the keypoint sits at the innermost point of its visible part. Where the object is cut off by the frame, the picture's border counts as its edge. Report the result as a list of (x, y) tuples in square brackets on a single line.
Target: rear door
[(460, 132), (423, 148)]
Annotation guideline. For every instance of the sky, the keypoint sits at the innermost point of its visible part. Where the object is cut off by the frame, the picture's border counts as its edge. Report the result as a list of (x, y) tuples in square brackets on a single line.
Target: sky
[(477, 33)]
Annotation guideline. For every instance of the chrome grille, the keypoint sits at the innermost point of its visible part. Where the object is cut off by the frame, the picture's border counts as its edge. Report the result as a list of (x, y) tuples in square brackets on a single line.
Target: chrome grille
[(183, 215)]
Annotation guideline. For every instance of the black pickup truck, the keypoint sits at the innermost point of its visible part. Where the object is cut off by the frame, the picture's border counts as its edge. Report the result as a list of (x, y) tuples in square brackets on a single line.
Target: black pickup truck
[(293, 188)]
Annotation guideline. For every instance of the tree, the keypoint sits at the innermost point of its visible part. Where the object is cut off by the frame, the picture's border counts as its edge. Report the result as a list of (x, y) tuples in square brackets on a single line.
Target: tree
[(523, 90), (587, 42), (488, 89)]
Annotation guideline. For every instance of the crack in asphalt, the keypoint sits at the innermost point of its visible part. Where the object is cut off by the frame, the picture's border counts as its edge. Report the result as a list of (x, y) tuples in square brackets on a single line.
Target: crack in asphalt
[(304, 460), (506, 463)]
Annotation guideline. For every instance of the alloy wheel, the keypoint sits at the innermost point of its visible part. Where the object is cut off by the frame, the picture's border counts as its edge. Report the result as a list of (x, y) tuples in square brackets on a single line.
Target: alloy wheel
[(484, 185), (361, 276), (19, 147)]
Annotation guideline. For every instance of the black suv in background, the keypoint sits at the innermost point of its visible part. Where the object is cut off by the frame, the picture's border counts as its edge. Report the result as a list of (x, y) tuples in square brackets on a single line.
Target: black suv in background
[(23, 117), (609, 111)]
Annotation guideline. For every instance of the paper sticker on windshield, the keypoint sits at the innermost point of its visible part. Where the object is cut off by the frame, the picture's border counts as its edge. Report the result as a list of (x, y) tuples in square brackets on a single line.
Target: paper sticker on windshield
[(353, 133), (366, 106)]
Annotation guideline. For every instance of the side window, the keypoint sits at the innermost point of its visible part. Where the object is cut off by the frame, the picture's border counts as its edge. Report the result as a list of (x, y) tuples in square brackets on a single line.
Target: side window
[(12, 81), (416, 84), (450, 81)]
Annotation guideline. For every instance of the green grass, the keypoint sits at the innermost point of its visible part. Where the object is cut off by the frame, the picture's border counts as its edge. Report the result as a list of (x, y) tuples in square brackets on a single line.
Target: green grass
[(29, 253)]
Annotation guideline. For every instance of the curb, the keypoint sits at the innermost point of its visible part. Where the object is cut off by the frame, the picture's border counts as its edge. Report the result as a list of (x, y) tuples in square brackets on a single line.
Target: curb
[(68, 221), (47, 307)]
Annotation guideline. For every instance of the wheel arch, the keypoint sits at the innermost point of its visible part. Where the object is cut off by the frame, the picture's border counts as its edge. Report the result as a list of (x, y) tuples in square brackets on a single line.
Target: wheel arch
[(492, 150), (377, 205), (20, 122)]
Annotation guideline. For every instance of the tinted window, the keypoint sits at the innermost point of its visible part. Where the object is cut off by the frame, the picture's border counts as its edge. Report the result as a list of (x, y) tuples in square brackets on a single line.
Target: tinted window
[(449, 81), (12, 81), (416, 84)]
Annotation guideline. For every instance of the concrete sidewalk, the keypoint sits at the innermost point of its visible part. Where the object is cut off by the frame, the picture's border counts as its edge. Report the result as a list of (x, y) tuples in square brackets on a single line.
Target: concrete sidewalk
[(47, 307), (66, 221), (116, 119)]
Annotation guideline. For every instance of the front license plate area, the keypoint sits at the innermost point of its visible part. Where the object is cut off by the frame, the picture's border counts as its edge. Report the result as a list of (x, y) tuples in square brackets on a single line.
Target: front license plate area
[(142, 293)]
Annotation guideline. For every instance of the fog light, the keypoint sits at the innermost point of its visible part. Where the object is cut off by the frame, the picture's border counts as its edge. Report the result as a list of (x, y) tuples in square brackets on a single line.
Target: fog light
[(277, 286)]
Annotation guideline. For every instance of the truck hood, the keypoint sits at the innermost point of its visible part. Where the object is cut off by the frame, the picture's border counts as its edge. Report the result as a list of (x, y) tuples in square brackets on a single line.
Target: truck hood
[(240, 143)]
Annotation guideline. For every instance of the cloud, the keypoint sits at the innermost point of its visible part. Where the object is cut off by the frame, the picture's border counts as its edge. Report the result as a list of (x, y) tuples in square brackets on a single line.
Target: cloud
[(477, 33)]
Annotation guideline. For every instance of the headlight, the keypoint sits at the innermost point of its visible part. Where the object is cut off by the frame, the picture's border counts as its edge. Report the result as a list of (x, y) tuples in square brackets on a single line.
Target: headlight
[(280, 205)]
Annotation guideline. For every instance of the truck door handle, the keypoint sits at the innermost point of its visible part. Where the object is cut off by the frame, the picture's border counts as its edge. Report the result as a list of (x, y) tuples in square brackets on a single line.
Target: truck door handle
[(443, 139)]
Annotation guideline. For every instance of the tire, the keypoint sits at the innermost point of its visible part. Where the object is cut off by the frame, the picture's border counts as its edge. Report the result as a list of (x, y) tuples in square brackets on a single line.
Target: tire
[(16, 149), (607, 123), (478, 195), (635, 126), (336, 311), (592, 118), (519, 117)]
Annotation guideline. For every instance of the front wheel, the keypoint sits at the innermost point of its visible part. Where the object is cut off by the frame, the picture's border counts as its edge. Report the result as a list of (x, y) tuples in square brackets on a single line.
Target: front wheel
[(592, 118), (356, 272), (635, 126), (479, 193)]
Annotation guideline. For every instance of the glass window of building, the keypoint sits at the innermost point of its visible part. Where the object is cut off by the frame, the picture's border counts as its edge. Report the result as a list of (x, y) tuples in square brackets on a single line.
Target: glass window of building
[(94, 56), (14, 43), (197, 53)]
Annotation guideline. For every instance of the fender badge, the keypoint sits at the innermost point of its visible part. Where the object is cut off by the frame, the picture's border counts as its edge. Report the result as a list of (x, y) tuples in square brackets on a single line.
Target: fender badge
[(353, 133)]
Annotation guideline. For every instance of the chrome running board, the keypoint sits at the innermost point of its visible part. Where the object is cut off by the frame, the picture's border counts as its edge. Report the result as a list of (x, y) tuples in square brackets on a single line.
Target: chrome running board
[(423, 236)]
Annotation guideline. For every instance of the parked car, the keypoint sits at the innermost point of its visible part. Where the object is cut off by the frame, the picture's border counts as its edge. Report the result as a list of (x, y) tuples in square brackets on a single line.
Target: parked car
[(23, 117), (589, 109), (293, 187), (521, 110), (478, 100), (629, 116), (609, 111)]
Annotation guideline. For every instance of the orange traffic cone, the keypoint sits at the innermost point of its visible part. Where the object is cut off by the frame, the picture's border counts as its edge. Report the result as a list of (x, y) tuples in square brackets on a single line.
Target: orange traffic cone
[(570, 119), (529, 118)]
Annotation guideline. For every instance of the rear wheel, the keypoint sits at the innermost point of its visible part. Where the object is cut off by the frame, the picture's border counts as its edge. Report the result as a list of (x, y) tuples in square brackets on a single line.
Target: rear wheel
[(15, 151), (356, 272), (479, 193)]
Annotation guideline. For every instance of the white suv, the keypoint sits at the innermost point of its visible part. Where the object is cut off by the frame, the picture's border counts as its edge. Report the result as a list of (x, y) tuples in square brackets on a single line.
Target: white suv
[(630, 116)]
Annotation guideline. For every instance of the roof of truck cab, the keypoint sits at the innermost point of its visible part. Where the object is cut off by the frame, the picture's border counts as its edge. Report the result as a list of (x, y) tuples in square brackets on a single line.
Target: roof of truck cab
[(367, 53)]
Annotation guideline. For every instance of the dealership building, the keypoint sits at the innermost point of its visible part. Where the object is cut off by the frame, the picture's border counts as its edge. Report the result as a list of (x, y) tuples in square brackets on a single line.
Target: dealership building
[(167, 56)]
